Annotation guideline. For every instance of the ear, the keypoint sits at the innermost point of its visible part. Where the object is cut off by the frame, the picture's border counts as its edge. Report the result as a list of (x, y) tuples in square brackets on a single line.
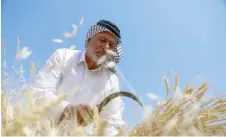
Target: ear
[(88, 41)]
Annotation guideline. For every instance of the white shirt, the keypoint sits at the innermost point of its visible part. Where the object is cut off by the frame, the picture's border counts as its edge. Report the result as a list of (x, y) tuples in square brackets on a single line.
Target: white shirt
[(66, 71)]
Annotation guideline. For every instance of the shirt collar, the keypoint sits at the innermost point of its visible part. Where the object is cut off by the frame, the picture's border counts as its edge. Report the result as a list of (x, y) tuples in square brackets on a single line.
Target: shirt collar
[(82, 57), (82, 60)]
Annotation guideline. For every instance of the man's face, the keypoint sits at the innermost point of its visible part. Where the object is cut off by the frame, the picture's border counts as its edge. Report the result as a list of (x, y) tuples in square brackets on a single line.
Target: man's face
[(99, 43)]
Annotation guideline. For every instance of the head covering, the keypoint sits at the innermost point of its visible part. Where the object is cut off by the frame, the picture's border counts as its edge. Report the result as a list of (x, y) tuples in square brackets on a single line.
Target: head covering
[(105, 25)]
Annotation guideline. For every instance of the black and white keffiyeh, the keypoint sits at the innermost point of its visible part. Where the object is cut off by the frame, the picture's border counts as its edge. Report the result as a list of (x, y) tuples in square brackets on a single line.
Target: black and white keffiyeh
[(118, 49)]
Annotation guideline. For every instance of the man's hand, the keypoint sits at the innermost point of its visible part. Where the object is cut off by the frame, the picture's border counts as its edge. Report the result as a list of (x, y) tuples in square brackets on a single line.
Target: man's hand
[(81, 113)]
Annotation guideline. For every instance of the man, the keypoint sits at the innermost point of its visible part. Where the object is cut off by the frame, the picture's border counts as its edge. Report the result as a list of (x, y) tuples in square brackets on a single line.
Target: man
[(85, 77)]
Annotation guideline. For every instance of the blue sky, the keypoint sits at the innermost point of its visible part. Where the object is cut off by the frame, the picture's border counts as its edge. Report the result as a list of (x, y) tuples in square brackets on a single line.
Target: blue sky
[(159, 37)]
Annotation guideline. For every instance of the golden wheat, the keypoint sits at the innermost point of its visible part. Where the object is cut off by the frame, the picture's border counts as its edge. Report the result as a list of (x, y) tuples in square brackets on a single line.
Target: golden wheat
[(183, 113)]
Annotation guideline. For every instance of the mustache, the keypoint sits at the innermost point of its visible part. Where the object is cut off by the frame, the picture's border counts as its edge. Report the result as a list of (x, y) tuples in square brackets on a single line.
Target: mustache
[(107, 52), (100, 50)]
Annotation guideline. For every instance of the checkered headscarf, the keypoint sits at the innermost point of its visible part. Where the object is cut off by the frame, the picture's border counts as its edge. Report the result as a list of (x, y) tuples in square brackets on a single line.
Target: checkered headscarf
[(118, 49)]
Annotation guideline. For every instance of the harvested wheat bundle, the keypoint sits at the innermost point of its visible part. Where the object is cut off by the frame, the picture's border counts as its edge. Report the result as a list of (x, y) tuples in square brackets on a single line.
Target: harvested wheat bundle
[(185, 114)]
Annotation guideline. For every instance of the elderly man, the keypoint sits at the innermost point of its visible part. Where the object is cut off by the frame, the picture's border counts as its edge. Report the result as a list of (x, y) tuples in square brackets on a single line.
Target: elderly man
[(85, 77)]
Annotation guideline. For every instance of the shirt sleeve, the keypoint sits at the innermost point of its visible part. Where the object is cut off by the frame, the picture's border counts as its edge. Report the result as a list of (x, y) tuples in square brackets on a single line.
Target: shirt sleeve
[(113, 111), (47, 81)]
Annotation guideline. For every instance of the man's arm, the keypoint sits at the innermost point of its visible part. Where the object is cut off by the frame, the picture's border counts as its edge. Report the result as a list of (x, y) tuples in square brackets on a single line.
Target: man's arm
[(47, 81), (113, 111)]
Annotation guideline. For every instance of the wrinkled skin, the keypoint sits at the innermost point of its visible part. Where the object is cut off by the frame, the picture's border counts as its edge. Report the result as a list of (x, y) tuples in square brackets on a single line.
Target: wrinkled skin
[(96, 47), (79, 112)]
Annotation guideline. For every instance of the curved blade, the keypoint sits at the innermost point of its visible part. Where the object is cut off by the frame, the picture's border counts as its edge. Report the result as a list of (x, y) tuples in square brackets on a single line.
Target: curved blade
[(117, 94)]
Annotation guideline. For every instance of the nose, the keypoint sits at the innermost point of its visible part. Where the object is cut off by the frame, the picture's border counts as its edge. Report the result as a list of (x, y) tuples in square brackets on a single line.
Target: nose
[(105, 46)]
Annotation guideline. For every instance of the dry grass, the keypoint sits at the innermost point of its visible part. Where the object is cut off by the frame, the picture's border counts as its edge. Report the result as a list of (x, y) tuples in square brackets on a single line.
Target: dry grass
[(184, 115), (14, 125)]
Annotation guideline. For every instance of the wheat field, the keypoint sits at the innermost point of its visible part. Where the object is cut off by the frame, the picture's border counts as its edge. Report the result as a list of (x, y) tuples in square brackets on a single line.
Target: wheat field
[(178, 115)]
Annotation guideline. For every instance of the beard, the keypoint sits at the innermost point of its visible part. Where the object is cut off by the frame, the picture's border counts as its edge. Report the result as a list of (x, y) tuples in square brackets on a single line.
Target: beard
[(97, 57), (100, 55)]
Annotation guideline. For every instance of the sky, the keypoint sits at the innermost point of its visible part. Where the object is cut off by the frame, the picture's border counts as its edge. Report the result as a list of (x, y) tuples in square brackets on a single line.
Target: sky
[(160, 38)]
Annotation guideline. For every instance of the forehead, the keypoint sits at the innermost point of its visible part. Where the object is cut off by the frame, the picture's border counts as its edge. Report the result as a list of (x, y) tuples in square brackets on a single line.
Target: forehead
[(107, 35)]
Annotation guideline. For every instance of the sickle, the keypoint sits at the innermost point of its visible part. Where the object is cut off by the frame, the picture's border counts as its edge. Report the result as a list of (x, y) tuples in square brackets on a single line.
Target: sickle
[(117, 94), (113, 96)]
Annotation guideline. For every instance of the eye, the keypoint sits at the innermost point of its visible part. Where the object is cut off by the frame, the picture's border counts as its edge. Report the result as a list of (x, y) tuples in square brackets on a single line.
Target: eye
[(112, 45), (102, 40)]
